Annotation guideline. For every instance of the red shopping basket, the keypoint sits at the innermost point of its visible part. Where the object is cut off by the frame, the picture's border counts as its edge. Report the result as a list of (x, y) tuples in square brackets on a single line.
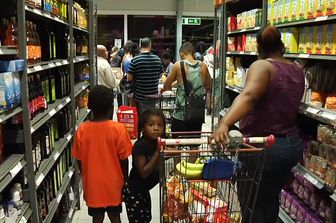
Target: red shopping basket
[(129, 117)]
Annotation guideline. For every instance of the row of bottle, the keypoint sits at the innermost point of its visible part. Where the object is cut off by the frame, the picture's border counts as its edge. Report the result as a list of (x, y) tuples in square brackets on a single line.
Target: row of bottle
[(52, 183), (44, 139), (65, 205), (9, 32), (56, 7)]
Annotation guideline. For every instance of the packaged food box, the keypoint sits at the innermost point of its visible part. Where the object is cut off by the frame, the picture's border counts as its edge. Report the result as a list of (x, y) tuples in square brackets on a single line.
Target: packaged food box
[(295, 10), (275, 11), (291, 36), (239, 21), (320, 7), (258, 17), (12, 65), (17, 87), (231, 44), (232, 23), (303, 7), (248, 43), (334, 38), (310, 40), (330, 7), (302, 40), (311, 8), (7, 93), (288, 11), (280, 11), (253, 43), (283, 36), (244, 20), (270, 7), (239, 43), (318, 40)]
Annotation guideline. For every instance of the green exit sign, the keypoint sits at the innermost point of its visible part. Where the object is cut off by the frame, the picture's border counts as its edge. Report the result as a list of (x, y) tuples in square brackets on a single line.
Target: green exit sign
[(191, 21)]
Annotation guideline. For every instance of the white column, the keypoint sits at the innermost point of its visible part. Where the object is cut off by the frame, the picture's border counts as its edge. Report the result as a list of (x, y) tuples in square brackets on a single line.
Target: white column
[(125, 28)]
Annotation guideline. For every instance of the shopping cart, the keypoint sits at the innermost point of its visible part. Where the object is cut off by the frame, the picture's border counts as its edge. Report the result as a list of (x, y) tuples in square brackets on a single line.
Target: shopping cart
[(219, 187), (165, 102)]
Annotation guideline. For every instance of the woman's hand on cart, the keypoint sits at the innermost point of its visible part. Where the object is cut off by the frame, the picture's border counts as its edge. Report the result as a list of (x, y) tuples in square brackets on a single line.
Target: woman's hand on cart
[(220, 136)]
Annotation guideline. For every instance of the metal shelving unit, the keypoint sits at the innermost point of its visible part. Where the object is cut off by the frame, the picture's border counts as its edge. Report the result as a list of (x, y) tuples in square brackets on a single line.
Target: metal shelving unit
[(309, 22), (45, 65), (54, 203), (15, 163), (284, 216), (310, 56), (10, 168), (241, 53), (243, 31), (72, 210)]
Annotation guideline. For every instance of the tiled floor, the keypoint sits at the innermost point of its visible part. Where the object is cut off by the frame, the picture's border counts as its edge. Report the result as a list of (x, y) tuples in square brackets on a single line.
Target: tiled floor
[(81, 216)]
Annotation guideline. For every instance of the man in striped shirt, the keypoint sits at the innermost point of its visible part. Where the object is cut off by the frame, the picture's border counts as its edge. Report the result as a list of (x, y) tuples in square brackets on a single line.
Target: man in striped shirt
[(145, 71)]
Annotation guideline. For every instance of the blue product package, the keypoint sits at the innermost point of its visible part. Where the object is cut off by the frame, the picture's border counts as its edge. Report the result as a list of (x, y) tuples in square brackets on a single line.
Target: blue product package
[(7, 94), (17, 88), (218, 169), (12, 65)]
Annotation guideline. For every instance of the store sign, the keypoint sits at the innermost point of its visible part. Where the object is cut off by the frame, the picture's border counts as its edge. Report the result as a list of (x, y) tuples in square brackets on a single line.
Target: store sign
[(191, 21)]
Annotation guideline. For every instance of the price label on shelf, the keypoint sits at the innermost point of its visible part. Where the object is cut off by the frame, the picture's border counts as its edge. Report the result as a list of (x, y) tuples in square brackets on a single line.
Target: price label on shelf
[(38, 68), (37, 11), (312, 110), (329, 116), (68, 100), (69, 137), (241, 52), (52, 112), (60, 106), (322, 18), (257, 27), (311, 179), (57, 154), (1, 51), (32, 129), (70, 173), (333, 196), (59, 197), (243, 30), (23, 220), (303, 55), (64, 62), (83, 87), (71, 213), (16, 169), (253, 53), (29, 71), (51, 65), (1, 120), (39, 179), (58, 63)]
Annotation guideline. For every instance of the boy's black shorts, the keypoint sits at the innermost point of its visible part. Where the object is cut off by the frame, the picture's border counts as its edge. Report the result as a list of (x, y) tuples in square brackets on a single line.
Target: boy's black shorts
[(101, 211)]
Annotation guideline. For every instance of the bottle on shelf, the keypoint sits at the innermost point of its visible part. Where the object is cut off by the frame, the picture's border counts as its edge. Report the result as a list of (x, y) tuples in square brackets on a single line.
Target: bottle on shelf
[(52, 86), (78, 47), (12, 34), (38, 44), (3, 28), (84, 48), (52, 46), (30, 48), (45, 88), (47, 5)]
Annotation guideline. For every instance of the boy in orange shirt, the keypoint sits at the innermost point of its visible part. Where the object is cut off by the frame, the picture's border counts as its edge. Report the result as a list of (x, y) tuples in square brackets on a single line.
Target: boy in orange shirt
[(102, 146)]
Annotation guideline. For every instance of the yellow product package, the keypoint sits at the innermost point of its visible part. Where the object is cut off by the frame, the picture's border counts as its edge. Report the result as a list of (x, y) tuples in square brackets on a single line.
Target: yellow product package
[(303, 7), (318, 40), (329, 36), (253, 43), (310, 40), (283, 36), (288, 11), (280, 11), (295, 10), (270, 15), (291, 36), (248, 43), (275, 11), (334, 38), (302, 40), (311, 8), (229, 78), (230, 64), (249, 19), (239, 21), (320, 7), (244, 20), (253, 17), (330, 7)]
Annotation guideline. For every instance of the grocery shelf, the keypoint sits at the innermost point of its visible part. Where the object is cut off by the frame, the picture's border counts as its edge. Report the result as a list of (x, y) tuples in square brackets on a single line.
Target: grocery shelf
[(45, 65), (44, 14), (307, 21), (25, 213), (80, 59), (8, 50), (72, 210), (10, 168), (47, 164), (83, 113), (310, 56), (80, 29), (43, 117), (55, 202), (81, 86), (311, 177), (8, 114), (284, 216), (242, 31), (241, 53), (234, 88), (320, 114)]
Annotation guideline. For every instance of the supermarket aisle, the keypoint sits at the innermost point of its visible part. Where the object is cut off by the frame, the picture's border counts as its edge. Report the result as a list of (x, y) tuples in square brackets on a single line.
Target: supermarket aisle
[(81, 216)]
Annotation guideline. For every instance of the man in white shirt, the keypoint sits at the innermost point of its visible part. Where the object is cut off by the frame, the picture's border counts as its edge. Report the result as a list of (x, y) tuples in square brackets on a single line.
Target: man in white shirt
[(105, 74)]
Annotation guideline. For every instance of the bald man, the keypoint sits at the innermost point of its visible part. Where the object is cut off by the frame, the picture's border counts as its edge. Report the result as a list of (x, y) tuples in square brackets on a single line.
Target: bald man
[(105, 74)]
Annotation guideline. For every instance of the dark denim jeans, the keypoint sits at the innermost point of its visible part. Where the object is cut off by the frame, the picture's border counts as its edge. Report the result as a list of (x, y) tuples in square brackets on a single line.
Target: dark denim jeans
[(280, 159)]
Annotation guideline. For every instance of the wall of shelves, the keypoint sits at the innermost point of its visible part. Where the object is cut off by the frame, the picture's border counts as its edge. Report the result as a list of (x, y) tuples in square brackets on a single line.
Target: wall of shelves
[(310, 112), (54, 164)]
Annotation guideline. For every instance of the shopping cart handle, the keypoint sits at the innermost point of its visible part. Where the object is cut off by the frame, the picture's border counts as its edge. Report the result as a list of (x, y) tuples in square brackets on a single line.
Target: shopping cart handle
[(161, 142)]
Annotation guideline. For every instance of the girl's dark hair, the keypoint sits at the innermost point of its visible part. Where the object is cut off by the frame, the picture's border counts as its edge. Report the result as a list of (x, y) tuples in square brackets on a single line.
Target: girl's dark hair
[(152, 112), (269, 41), (134, 49), (100, 100), (187, 48), (127, 46), (200, 47)]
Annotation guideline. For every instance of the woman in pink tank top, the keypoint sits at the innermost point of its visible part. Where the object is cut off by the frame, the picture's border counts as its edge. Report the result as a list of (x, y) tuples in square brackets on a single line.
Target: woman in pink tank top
[(269, 104)]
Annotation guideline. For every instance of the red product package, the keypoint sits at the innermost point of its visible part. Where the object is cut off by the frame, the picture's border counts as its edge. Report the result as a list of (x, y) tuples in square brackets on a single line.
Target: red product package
[(232, 23), (231, 44), (239, 43)]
